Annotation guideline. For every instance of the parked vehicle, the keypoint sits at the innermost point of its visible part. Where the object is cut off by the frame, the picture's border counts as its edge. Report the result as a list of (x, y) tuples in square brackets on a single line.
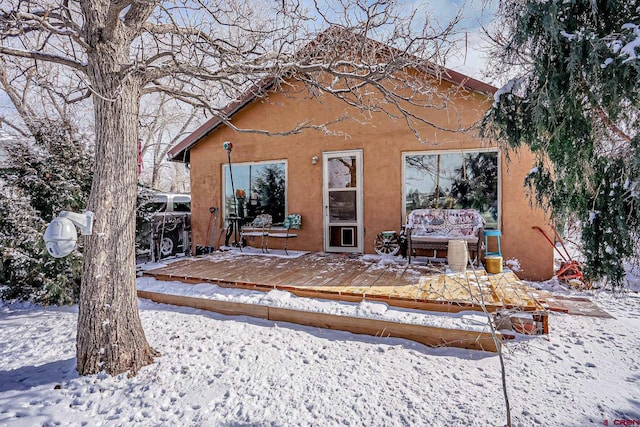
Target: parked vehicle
[(167, 230)]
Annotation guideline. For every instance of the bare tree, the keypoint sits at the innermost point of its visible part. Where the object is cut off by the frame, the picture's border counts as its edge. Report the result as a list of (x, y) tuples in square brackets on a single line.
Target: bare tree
[(206, 54), (164, 121), (40, 94)]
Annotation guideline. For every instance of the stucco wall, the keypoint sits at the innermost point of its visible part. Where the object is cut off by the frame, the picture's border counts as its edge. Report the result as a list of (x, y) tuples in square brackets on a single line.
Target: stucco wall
[(382, 141)]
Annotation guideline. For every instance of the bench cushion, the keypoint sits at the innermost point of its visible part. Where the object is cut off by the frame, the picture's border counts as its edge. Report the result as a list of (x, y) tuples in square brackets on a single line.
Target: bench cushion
[(445, 224), (445, 239), (258, 227), (293, 222), (261, 221), (283, 235)]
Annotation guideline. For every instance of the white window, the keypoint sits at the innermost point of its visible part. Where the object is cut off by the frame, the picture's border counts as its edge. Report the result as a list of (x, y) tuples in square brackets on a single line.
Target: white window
[(453, 180), (256, 188)]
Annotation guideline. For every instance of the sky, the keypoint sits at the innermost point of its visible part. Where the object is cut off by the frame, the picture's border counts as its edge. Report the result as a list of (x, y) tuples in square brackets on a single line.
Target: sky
[(469, 61)]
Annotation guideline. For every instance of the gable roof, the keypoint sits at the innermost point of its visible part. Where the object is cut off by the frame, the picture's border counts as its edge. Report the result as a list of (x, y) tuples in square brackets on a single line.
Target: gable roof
[(181, 151)]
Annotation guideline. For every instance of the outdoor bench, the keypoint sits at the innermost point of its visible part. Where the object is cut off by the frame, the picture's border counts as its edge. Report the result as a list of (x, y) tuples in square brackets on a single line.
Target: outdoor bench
[(261, 227), (431, 229), (291, 222)]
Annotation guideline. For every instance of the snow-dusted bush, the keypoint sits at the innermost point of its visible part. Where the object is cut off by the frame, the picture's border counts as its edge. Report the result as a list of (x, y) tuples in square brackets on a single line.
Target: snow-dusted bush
[(41, 176)]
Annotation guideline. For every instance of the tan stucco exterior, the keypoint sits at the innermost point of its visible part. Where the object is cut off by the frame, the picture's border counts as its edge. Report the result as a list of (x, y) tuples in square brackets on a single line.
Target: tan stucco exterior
[(383, 141)]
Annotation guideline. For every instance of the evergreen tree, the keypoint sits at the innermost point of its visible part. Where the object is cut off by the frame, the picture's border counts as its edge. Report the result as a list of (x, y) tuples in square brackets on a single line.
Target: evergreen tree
[(270, 187), (476, 182), (575, 105), (41, 177)]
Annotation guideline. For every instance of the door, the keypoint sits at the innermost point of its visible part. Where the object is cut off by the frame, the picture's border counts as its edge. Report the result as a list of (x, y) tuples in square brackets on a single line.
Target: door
[(343, 224)]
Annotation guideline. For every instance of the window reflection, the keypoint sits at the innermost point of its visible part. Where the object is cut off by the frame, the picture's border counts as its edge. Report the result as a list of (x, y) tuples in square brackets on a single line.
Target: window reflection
[(342, 172), (342, 206), (453, 181), (258, 188)]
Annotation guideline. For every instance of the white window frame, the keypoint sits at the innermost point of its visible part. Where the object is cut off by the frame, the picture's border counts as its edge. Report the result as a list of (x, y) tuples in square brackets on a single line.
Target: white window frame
[(454, 151), (262, 162)]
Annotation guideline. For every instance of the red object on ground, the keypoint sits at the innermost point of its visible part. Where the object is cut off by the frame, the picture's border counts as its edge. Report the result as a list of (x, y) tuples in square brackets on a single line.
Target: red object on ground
[(570, 269)]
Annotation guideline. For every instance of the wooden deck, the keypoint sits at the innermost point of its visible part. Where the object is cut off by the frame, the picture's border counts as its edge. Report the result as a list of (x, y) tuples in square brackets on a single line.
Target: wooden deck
[(354, 279), (339, 277)]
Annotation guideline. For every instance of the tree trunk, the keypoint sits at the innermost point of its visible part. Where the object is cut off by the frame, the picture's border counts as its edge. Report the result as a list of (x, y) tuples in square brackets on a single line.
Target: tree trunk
[(155, 172), (110, 335)]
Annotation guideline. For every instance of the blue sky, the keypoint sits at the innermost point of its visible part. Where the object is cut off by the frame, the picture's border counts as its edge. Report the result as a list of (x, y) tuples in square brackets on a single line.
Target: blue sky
[(470, 61), (475, 13)]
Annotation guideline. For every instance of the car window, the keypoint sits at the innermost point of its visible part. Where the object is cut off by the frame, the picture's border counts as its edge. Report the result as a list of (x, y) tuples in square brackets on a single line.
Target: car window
[(181, 203), (160, 204), (182, 207), (159, 207)]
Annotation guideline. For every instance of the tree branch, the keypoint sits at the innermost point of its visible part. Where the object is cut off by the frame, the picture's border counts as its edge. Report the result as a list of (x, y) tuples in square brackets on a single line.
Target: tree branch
[(52, 22), (42, 56)]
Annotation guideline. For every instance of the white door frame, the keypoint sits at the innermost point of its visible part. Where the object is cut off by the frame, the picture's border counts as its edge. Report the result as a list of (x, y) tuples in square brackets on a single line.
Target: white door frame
[(350, 232)]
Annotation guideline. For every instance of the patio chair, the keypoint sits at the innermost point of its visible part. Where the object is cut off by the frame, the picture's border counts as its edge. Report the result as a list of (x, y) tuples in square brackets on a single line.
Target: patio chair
[(291, 222), (259, 227)]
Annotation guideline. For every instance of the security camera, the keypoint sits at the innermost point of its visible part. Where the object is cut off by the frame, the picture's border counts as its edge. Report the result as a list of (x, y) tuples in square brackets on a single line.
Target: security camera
[(61, 236)]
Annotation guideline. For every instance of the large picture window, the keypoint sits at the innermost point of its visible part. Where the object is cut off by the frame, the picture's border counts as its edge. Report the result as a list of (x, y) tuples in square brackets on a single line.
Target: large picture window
[(453, 180), (256, 188)]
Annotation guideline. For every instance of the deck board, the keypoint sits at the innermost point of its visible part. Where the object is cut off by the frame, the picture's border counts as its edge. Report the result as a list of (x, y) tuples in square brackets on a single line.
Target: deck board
[(366, 278), (335, 276), (354, 279)]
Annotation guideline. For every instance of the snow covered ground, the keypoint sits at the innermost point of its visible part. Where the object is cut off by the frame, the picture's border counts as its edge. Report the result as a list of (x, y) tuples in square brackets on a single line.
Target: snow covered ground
[(218, 370)]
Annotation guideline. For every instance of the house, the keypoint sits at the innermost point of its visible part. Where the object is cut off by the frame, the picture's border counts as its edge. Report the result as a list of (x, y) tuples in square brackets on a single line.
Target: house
[(366, 176)]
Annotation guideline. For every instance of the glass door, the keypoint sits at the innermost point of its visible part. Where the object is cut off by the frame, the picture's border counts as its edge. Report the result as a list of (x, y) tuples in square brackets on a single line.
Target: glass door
[(343, 230)]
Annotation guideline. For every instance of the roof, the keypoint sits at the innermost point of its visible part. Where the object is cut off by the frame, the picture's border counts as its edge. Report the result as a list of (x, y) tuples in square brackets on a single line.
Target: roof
[(181, 151)]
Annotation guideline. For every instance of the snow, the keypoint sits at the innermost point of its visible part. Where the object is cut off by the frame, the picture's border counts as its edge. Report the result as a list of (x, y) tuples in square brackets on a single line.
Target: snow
[(508, 89), (5, 139), (568, 36), (218, 370), (629, 49), (276, 253), (469, 320), (606, 62)]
